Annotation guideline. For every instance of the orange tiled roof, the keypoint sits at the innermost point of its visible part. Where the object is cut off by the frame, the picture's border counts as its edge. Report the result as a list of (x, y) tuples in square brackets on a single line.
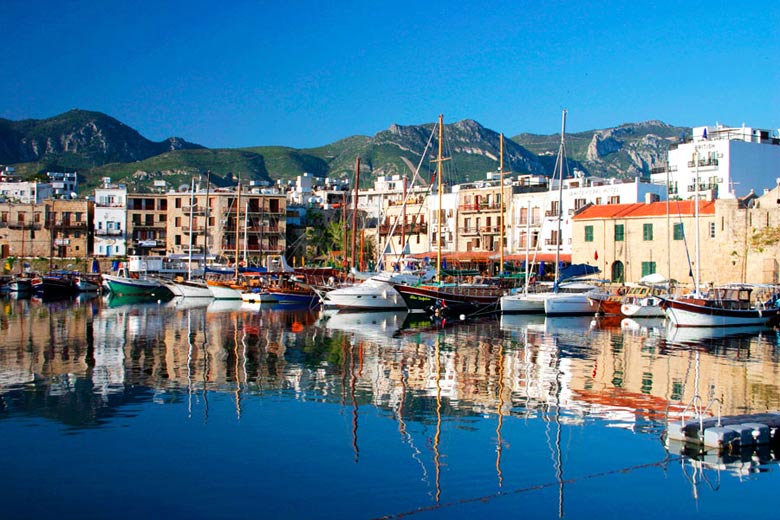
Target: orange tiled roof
[(640, 209)]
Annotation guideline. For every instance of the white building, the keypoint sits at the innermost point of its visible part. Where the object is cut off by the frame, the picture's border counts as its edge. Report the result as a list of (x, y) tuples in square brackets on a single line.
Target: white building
[(110, 219), (535, 214), (14, 189), (729, 163), (65, 185)]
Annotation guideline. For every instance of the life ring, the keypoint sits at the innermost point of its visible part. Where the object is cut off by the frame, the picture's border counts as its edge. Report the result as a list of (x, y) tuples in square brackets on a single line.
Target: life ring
[(622, 291)]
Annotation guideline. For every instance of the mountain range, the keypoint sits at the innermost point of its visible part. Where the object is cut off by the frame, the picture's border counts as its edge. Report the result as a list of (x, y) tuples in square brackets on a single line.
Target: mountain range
[(97, 145)]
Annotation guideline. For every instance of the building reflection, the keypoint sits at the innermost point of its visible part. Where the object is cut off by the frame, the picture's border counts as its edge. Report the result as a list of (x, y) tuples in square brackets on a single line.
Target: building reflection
[(631, 374)]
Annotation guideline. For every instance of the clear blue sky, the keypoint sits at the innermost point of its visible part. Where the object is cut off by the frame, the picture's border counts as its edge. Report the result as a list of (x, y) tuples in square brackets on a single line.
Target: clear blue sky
[(307, 73)]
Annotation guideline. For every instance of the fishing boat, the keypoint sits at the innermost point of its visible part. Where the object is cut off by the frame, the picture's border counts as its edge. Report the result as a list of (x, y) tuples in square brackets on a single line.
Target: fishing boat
[(88, 282), (123, 284), (728, 306), (20, 285), (56, 284)]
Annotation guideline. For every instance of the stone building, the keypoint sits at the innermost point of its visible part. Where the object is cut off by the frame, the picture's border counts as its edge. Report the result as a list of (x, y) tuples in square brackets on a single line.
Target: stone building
[(738, 240)]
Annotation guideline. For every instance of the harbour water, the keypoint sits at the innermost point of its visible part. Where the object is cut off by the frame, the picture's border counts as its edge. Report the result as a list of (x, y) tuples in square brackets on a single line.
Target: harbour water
[(121, 409)]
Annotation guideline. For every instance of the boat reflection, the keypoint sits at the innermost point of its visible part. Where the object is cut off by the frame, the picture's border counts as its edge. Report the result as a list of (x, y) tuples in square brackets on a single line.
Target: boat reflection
[(92, 361)]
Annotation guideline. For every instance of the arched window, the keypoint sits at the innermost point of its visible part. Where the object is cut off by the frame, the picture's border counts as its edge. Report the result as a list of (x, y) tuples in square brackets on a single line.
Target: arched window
[(618, 274)]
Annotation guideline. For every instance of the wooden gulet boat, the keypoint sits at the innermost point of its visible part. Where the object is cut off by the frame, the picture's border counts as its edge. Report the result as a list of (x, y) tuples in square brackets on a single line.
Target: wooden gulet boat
[(449, 298), (729, 306)]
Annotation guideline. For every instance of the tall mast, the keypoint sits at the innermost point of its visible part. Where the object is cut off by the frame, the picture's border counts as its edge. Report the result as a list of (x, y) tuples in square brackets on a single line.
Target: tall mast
[(238, 218), (439, 162), (561, 160), (697, 282), (501, 199), (354, 211), (208, 216), (192, 231), (403, 222)]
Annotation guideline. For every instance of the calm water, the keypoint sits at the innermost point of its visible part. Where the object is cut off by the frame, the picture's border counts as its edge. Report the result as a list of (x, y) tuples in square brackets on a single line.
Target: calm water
[(125, 410)]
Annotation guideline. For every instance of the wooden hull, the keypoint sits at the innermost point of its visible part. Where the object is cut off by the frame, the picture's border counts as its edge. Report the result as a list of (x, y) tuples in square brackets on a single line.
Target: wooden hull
[(702, 313), (461, 299)]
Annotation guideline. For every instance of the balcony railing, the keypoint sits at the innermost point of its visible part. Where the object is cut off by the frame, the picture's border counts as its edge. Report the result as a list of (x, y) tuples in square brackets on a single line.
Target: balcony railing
[(408, 229), (494, 206), (552, 242), (23, 225), (703, 163), (109, 232), (73, 224)]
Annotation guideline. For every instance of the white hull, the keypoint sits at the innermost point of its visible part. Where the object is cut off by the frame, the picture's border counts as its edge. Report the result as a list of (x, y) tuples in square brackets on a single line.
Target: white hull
[(532, 303), (223, 292), (633, 310), (369, 295), (562, 304), (684, 318), (188, 289)]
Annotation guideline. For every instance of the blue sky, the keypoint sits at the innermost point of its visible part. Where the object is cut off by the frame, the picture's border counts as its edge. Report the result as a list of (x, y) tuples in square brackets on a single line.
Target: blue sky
[(307, 73)]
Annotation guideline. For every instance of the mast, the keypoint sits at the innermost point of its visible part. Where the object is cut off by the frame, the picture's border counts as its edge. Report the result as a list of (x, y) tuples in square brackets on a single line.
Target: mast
[(354, 212), (439, 162), (403, 222), (561, 160), (697, 281), (206, 229), (238, 218), (192, 205), (501, 218)]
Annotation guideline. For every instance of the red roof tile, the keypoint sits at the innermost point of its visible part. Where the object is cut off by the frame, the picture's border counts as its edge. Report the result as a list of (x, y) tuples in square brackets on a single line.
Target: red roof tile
[(654, 209)]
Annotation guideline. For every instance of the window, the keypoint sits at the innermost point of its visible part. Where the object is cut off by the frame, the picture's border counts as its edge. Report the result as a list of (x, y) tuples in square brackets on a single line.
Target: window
[(712, 228), (648, 268), (678, 232), (588, 233), (615, 199), (647, 231), (619, 232), (578, 203)]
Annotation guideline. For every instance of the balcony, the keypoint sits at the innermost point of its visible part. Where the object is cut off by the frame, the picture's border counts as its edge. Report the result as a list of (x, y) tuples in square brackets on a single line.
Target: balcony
[(150, 243), (195, 210), (70, 224), (468, 231), (703, 163), (408, 229), (480, 207), (109, 232), (149, 226), (194, 229), (23, 225), (552, 242), (490, 230), (552, 213)]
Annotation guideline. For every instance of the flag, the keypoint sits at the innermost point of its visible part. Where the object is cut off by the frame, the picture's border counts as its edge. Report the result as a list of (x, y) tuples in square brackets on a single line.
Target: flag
[(704, 134), (596, 255)]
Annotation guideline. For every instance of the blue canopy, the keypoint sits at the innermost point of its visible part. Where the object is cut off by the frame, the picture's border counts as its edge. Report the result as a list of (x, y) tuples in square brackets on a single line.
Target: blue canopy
[(575, 270)]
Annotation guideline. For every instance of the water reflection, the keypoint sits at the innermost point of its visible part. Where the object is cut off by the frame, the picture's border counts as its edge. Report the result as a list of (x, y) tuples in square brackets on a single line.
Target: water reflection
[(87, 363)]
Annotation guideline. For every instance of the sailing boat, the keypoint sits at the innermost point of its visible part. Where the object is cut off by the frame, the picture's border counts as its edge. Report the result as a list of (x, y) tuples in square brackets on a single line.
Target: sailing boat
[(728, 306), (189, 288), (557, 302), (443, 298)]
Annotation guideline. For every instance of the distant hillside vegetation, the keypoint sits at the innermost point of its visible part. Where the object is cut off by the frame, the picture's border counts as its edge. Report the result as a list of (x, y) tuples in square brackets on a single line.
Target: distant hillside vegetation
[(97, 146)]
